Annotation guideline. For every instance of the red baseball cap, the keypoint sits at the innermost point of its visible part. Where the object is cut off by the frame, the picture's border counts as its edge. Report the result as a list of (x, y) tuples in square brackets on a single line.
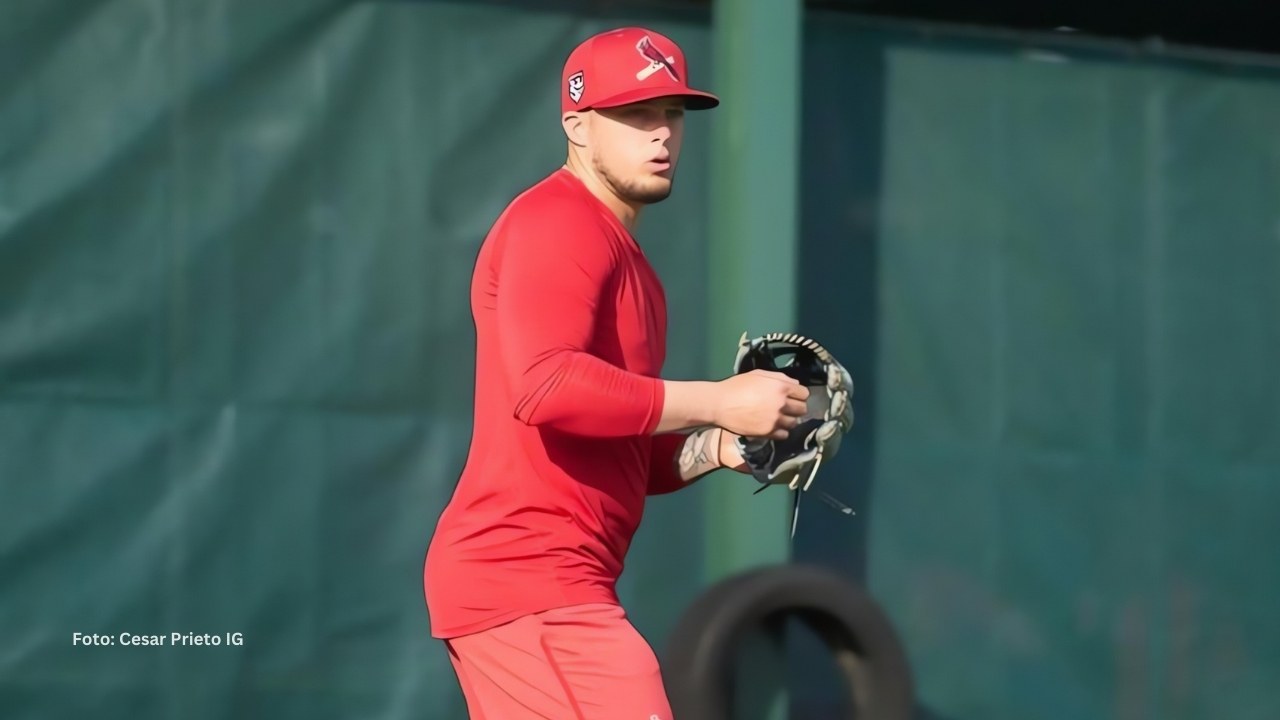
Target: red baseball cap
[(627, 65)]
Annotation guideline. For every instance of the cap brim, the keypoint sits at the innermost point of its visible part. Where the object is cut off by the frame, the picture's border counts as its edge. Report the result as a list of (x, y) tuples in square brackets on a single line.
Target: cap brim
[(693, 99)]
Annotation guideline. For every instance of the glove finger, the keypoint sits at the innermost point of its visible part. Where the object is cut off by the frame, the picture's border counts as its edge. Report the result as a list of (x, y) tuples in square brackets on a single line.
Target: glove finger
[(793, 465), (839, 405), (826, 431)]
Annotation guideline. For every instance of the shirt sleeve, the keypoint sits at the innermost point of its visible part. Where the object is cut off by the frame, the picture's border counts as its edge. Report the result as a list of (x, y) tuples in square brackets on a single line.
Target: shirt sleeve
[(555, 266), (663, 477)]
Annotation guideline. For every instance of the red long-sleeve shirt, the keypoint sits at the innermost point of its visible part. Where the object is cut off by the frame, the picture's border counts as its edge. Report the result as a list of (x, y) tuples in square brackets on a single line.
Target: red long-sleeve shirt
[(571, 336)]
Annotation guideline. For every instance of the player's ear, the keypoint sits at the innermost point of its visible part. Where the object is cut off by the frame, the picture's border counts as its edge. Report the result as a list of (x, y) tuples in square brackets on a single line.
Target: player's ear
[(575, 128)]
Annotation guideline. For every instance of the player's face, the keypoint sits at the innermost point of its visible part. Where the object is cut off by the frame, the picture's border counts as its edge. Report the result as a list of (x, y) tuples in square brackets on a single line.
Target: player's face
[(635, 147)]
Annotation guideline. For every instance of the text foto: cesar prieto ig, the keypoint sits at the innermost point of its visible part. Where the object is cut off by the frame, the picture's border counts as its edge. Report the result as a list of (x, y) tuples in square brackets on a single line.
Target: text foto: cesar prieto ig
[(176, 639)]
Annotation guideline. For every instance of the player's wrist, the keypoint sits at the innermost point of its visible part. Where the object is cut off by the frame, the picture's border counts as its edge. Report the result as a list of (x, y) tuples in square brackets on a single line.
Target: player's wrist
[(728, 455), (715, 402)]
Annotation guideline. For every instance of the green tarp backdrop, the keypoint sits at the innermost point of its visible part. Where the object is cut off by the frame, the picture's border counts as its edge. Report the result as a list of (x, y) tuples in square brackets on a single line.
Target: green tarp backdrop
[(235, 345), (1069, 313)]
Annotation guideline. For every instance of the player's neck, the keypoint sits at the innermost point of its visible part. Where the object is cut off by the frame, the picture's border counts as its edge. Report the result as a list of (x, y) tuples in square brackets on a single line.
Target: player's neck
[(626, 212)]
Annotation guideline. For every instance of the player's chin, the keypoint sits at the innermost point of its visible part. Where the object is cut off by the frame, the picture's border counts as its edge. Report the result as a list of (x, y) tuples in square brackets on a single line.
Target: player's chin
[(654, 188)]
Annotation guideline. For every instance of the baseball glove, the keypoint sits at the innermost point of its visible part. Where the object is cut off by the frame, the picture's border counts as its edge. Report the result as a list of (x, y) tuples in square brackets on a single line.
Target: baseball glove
[(794, 462)]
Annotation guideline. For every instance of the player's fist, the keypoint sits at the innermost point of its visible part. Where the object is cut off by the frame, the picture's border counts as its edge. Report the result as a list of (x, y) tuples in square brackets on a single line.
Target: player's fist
[(760, 404)]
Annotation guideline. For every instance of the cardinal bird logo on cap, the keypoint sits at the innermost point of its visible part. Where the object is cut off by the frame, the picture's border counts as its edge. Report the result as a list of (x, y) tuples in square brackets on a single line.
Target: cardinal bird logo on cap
[(657, 61)]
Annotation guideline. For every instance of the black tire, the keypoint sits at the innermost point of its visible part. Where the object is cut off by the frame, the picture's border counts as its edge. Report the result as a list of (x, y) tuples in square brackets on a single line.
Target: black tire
[(698, 665)]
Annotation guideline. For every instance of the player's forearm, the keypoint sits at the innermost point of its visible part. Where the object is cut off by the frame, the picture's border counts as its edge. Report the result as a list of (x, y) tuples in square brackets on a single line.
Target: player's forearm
[(579, 393), (679, 460), (699, 454), (708, 449), (687, 404)]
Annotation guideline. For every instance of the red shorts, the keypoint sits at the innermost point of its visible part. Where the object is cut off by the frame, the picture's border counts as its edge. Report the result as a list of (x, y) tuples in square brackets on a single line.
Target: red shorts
[(584, 662)]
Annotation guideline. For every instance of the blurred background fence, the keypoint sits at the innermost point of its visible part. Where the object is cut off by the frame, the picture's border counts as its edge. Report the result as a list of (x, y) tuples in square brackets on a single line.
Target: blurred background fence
[(235, 350)]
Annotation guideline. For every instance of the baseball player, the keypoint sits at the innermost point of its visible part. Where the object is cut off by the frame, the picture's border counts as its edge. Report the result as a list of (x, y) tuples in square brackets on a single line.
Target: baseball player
[(573, 426)]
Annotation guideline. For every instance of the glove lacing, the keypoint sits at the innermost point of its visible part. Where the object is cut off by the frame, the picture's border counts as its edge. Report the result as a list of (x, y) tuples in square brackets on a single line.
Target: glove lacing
[(813, 471)]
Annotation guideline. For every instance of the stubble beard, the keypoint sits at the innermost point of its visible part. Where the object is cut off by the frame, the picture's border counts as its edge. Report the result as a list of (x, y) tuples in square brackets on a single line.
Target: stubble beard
[(638, 191)]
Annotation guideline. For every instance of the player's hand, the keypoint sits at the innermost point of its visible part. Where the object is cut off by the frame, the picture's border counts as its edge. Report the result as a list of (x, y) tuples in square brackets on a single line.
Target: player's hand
[(760, 403)]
